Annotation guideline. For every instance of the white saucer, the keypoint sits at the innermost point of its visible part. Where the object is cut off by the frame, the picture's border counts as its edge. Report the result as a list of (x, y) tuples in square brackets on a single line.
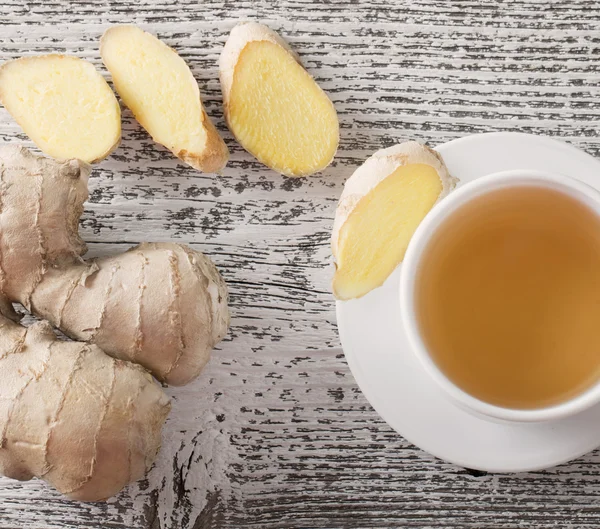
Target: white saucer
[(394, 382)]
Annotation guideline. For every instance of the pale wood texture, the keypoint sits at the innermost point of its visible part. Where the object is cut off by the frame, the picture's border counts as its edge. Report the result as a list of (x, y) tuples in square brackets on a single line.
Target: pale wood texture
[(276, 433)]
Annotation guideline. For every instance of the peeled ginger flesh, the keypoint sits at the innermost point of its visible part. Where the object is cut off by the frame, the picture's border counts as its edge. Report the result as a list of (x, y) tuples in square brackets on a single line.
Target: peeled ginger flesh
[(63, 104), (374, 239), (377, 218), (161, 91), (275, 109)]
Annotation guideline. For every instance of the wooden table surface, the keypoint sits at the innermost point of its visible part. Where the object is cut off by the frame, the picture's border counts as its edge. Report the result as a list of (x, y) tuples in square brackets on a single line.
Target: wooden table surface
[(276, 433)]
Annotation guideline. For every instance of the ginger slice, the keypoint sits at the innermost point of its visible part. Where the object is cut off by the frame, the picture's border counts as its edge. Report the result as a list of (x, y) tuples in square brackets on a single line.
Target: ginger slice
[(273, 106), (63, 104), (161, 91), (382, 205)]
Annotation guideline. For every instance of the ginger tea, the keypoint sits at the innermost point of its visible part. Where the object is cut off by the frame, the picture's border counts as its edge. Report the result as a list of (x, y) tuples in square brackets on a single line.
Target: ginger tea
[(508, 297)]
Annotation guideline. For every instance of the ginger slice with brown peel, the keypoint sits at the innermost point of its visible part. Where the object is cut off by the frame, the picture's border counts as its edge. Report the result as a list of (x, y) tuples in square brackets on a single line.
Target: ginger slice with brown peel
[(63, 104), (161, 91), (382, 205), (273, 106)]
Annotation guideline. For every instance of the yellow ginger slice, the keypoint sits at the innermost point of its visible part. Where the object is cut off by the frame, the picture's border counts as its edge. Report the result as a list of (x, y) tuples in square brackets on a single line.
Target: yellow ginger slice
[(382, 205), (273, 106), (161, 91), (63, 104)]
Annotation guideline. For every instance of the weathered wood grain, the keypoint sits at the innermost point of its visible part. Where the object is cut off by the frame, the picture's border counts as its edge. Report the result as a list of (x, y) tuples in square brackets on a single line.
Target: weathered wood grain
[(276, 433)]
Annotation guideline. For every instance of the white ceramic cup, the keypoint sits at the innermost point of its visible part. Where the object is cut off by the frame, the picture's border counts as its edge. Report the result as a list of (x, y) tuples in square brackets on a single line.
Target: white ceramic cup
[(418, 244)]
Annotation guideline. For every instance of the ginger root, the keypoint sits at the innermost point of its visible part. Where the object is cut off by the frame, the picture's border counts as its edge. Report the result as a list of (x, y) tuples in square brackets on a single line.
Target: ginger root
[(63, 104), (159, 88), (161, 305), (273, 106), (381, 206), (69, 414)]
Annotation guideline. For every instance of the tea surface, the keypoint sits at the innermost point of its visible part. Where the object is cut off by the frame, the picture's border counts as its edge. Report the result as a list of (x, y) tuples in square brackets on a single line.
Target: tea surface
[(508, 297)]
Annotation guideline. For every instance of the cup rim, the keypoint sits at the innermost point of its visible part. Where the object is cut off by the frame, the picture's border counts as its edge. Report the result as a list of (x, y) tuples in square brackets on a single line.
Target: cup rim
[(408, 275)]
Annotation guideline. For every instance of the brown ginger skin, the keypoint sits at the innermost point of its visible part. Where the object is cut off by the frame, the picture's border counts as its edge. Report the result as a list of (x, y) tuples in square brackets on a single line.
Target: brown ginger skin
[(84, 422), (161, 305), (215, 155)]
